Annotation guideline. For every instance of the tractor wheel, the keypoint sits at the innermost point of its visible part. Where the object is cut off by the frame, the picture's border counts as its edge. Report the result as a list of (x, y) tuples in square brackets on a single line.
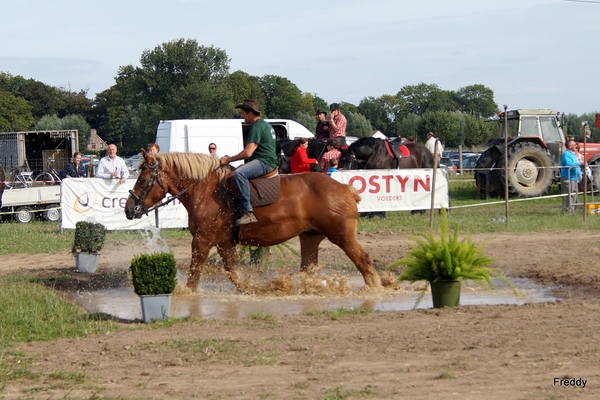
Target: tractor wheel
[(529, 170), (24, 215), (487, 160)]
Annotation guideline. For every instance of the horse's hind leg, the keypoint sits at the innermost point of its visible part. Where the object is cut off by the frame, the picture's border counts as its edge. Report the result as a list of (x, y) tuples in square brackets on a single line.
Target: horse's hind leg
[(230, 261), (309, 248), (361, 259)]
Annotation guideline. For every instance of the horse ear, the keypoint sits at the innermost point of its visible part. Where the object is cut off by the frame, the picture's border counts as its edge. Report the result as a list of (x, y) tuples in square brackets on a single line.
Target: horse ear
[(148, 158)]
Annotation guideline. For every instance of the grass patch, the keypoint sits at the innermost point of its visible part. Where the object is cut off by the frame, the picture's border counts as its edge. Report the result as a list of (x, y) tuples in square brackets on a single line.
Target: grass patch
[(213, 350), (45, 237), (339, 313), (32, 312)]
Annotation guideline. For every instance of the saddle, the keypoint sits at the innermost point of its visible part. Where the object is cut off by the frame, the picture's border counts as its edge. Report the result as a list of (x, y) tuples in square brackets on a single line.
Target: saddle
[(397, 152), (264, 190)]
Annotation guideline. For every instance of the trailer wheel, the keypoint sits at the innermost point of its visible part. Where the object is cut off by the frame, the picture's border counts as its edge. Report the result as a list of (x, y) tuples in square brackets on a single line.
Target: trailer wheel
[(51, 214), (24, 215)]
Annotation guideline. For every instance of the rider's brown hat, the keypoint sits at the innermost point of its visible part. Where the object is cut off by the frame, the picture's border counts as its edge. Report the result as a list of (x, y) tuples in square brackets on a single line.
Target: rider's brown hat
[(249, 105)]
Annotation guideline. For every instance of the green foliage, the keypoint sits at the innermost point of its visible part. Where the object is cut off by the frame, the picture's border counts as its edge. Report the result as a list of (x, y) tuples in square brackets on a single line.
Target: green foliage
[(15, 113), (66, 123), (358, 125), (307, 120), (153, 273), (476, 100), (89, 237), (444, 124), (447, 258)]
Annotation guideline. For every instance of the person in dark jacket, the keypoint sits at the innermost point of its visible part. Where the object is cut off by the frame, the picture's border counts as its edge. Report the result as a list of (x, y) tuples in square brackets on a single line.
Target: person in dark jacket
[(73, 170)]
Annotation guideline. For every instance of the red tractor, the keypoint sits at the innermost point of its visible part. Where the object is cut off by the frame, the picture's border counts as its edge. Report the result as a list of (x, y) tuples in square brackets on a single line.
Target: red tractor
[(535, 145)]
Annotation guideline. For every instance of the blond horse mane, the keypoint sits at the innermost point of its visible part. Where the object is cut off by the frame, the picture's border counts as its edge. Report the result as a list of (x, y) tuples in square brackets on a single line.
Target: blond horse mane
[(192, 165)]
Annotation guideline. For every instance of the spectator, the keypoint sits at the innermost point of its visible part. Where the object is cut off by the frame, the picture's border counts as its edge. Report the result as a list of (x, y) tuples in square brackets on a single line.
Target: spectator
[(153, 148), (323, 126), (260, 154), (212, 150), (75, 169), (300, 161), (570, 173), (112, 166), (332, 153), (432, 144), (333, 166), (338, 121)]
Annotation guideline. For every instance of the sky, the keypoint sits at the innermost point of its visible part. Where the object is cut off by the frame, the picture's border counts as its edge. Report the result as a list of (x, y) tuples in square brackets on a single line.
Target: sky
[(531, 53)]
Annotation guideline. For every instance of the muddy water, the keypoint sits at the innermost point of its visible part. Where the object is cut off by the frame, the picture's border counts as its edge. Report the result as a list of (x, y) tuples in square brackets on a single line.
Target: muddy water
[(221, 301)]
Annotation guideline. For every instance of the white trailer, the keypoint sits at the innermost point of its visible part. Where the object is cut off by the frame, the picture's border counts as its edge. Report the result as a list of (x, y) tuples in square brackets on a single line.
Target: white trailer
[(24, 203)]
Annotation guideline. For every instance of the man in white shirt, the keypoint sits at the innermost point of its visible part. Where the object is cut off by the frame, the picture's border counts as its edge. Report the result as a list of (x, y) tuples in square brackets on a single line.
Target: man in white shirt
[(112, 166), (432, 143)]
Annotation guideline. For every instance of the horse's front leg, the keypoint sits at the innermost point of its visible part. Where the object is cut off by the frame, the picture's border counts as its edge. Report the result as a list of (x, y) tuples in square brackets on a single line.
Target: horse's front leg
[(200, 250)]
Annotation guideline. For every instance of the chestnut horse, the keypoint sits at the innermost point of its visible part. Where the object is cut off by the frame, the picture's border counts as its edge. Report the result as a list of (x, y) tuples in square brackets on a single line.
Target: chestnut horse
[(310, 205)]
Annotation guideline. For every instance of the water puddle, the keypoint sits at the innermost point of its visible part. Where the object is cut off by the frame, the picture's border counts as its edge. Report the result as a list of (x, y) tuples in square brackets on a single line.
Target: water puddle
[(221, 301)]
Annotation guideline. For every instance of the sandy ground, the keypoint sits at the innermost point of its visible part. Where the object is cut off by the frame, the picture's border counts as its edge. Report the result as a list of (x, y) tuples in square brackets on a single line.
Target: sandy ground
[(469, 352)]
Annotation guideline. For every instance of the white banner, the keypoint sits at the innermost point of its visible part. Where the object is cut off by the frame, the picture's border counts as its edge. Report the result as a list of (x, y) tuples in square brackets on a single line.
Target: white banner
[(103, 200), (396, 189)]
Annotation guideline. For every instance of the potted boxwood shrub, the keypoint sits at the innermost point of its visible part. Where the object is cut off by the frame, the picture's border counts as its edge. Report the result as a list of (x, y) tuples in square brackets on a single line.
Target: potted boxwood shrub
[(154, 277), (89, 240), (445, 263)]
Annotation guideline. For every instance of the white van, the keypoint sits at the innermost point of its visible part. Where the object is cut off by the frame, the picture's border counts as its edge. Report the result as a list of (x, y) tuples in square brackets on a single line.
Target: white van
[(194, 135)]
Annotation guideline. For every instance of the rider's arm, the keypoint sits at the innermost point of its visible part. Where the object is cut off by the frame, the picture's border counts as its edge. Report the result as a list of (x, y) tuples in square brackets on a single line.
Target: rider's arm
[(242, 155)]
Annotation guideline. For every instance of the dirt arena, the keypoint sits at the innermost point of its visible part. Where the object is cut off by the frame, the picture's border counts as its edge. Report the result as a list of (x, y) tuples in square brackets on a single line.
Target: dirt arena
[(532, 351)]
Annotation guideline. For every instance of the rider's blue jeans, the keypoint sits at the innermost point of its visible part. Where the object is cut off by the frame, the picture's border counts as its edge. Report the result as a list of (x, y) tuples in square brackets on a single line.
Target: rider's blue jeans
[(243, 174)]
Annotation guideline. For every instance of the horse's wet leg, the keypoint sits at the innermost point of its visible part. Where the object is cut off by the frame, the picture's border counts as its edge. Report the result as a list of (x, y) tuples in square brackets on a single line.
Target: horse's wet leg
[(309, 248), (362, 260), (230, 261), (199, 257)]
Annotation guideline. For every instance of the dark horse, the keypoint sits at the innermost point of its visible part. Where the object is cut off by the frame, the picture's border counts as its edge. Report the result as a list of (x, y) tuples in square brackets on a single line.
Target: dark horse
[(372, 153), (197, 181)]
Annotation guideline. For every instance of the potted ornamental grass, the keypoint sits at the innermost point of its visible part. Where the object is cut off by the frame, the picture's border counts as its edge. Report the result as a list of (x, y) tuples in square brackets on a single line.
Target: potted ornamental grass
[(89, 240), (446, 262), (154, 277)]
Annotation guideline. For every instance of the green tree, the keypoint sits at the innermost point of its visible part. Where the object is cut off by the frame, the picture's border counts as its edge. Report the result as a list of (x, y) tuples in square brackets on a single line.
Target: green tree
[(421, 98), (307, 120), (15, 113), (477, 100), (282, 97), (358, 125), (244, 86), (78, 122), (408, 126), (445, 126), (374, 110)]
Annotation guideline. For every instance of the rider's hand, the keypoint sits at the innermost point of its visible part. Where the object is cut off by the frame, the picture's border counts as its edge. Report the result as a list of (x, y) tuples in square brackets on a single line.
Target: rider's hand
[(224, 160)]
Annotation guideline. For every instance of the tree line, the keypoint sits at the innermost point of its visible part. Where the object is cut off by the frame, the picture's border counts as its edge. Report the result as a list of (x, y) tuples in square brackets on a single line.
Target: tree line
[(181, 79)]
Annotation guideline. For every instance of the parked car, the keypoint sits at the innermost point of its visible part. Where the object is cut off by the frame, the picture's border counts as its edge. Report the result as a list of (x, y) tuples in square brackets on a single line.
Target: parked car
[(446, 162), (469, 162)]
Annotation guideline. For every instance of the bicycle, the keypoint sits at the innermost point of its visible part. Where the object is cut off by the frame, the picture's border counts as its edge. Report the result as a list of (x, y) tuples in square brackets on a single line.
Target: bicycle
[(49, 177), (20, 177)]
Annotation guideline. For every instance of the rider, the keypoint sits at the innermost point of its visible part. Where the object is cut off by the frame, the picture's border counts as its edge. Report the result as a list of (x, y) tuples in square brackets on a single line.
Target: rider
[(260, 155)]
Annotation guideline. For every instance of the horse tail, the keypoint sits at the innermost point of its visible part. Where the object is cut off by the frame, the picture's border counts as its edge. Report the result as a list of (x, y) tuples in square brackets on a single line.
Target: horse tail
[(354, 193)]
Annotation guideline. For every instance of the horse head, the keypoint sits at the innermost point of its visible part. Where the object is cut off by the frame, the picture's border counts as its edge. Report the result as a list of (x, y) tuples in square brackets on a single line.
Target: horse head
[(145, 192)]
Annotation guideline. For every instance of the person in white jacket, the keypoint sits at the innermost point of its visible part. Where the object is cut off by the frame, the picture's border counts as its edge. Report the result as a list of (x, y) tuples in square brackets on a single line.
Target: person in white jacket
[(432, 143)]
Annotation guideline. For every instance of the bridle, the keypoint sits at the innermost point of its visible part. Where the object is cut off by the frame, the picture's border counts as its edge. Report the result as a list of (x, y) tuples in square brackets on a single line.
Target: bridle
[(139, 207)]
